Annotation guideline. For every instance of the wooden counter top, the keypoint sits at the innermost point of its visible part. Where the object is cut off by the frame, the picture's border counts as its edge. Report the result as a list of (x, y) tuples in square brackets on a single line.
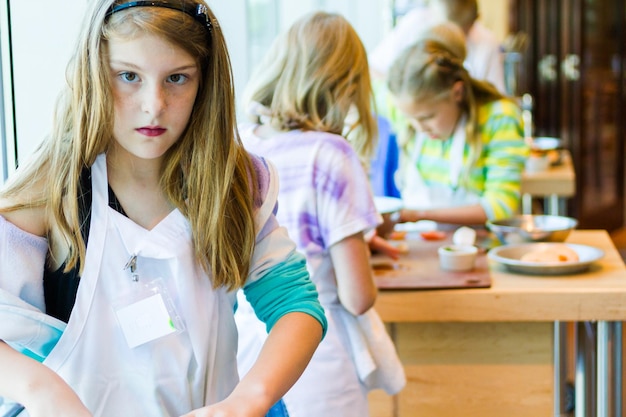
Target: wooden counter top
[(558, 180), (597, 294)]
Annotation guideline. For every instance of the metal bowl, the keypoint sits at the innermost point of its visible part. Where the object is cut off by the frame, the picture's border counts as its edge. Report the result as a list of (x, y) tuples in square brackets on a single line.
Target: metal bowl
[(532, 228)]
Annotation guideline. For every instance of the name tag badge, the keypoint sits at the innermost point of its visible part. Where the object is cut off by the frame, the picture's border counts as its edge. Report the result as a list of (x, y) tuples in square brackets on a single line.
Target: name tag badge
[(147, 314)]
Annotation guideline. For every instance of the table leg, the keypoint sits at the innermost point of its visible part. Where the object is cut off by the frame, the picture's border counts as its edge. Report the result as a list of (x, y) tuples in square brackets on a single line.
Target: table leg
[(560, 369), (604, 373), (617, 367), (585, 382), (609, 353), (527, 204), (553, 206)]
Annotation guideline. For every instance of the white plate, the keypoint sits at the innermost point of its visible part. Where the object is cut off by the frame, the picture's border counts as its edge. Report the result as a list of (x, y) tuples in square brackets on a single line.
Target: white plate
[(545, 143), (420, 226), (387, 204), (509, 256)]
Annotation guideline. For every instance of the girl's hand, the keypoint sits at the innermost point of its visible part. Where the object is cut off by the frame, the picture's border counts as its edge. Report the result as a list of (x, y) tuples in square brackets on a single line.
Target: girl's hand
[(380, 245), (276, 369), (228, 408)]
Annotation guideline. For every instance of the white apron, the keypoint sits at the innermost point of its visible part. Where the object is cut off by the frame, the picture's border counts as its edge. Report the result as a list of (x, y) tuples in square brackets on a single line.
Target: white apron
[(168, 376), (416, 194), (356, 356)]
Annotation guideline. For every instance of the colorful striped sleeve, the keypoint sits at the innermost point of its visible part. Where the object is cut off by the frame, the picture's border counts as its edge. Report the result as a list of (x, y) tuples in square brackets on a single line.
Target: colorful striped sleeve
[(502, 159)]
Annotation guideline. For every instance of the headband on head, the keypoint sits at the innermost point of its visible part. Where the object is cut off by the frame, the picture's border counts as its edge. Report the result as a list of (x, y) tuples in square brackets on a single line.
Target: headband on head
[(199, 12)]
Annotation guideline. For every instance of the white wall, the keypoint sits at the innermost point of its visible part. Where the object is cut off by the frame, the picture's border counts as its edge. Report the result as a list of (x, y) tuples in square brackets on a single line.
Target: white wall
[(494, 14), (43, 35), (232, 17)]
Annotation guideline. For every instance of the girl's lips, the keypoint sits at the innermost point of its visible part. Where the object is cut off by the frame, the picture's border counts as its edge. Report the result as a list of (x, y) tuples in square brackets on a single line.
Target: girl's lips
[(151, 131)]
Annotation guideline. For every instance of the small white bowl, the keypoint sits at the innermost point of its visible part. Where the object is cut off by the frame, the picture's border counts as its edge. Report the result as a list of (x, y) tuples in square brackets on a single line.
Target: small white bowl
[(537, 163), (457, 257)]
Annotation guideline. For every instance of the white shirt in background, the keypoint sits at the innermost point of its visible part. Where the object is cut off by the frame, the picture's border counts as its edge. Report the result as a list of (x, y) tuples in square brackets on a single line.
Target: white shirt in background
[(484, 59)]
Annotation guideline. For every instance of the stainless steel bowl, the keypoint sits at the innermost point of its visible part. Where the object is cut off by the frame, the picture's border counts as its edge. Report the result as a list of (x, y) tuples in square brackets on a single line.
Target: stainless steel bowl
[(532, 228)]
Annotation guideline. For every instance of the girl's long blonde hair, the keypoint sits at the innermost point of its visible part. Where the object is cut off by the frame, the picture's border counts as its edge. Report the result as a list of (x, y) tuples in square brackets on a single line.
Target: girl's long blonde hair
[(427, 71), (311, 78), (207, 174)]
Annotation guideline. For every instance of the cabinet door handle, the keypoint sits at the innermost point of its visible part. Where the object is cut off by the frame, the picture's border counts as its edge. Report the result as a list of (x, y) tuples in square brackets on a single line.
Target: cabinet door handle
[(547, 68), (569, 67)]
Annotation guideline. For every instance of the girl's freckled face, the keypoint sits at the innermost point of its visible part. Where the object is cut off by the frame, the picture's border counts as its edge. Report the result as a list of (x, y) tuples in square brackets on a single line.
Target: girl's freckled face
[(154, 88)]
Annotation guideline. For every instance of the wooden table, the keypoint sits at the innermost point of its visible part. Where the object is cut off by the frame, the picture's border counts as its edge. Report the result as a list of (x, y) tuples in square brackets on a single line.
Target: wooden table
[(554, 184), (498, 351)]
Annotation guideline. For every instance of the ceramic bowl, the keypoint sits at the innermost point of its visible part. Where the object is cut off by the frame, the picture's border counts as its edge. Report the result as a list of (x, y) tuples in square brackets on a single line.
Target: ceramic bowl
[(537, 163), (457, 257)]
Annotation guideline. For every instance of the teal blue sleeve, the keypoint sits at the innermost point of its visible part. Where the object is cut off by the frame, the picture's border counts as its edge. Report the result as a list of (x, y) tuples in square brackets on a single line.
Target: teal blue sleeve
[(285, 288)]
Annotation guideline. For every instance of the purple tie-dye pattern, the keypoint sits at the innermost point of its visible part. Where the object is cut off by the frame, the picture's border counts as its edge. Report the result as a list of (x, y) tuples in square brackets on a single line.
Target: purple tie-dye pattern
[(324, 192), (263, 182), (309, 232), (263, 178), (336, 187)]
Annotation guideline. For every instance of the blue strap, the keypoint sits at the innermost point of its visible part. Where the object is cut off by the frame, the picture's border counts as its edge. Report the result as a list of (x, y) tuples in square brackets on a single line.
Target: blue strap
[(278, 410)]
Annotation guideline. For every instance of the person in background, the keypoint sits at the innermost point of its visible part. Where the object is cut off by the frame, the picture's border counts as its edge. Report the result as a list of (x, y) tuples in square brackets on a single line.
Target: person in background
[(484, 60), (310, 102), (462, 153), (482, 56), (386, 158), (127, 236)]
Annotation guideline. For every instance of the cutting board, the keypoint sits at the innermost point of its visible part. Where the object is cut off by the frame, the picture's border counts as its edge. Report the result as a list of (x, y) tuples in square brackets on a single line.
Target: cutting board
[(419, 268)]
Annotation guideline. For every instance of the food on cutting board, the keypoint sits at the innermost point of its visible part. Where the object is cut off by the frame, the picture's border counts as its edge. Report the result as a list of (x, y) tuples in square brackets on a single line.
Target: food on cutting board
[(402, 247), (552, 253), (397, 235), (433, 235)]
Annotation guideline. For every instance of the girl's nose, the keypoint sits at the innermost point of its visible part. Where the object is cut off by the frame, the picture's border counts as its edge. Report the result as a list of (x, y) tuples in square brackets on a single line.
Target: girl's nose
[(154, 99)]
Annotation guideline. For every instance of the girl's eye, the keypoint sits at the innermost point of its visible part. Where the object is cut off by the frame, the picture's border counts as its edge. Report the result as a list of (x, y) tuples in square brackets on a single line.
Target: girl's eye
[(129, 77), (177, 78)]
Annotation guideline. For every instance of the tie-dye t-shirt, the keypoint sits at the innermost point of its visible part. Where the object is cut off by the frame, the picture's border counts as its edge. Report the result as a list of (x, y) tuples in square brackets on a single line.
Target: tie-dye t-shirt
[(324, 194)]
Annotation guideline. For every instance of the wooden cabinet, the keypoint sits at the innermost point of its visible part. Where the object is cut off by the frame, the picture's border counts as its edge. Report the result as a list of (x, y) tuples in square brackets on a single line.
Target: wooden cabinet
[(575, 70)]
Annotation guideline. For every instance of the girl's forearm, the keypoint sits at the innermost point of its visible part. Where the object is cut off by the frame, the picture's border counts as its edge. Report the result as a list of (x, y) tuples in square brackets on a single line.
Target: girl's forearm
[(474, 214), (277, 368), (36, 386)]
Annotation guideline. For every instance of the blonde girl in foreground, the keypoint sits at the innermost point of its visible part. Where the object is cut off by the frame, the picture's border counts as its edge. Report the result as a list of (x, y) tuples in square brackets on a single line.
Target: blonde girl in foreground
[(126, 237)]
